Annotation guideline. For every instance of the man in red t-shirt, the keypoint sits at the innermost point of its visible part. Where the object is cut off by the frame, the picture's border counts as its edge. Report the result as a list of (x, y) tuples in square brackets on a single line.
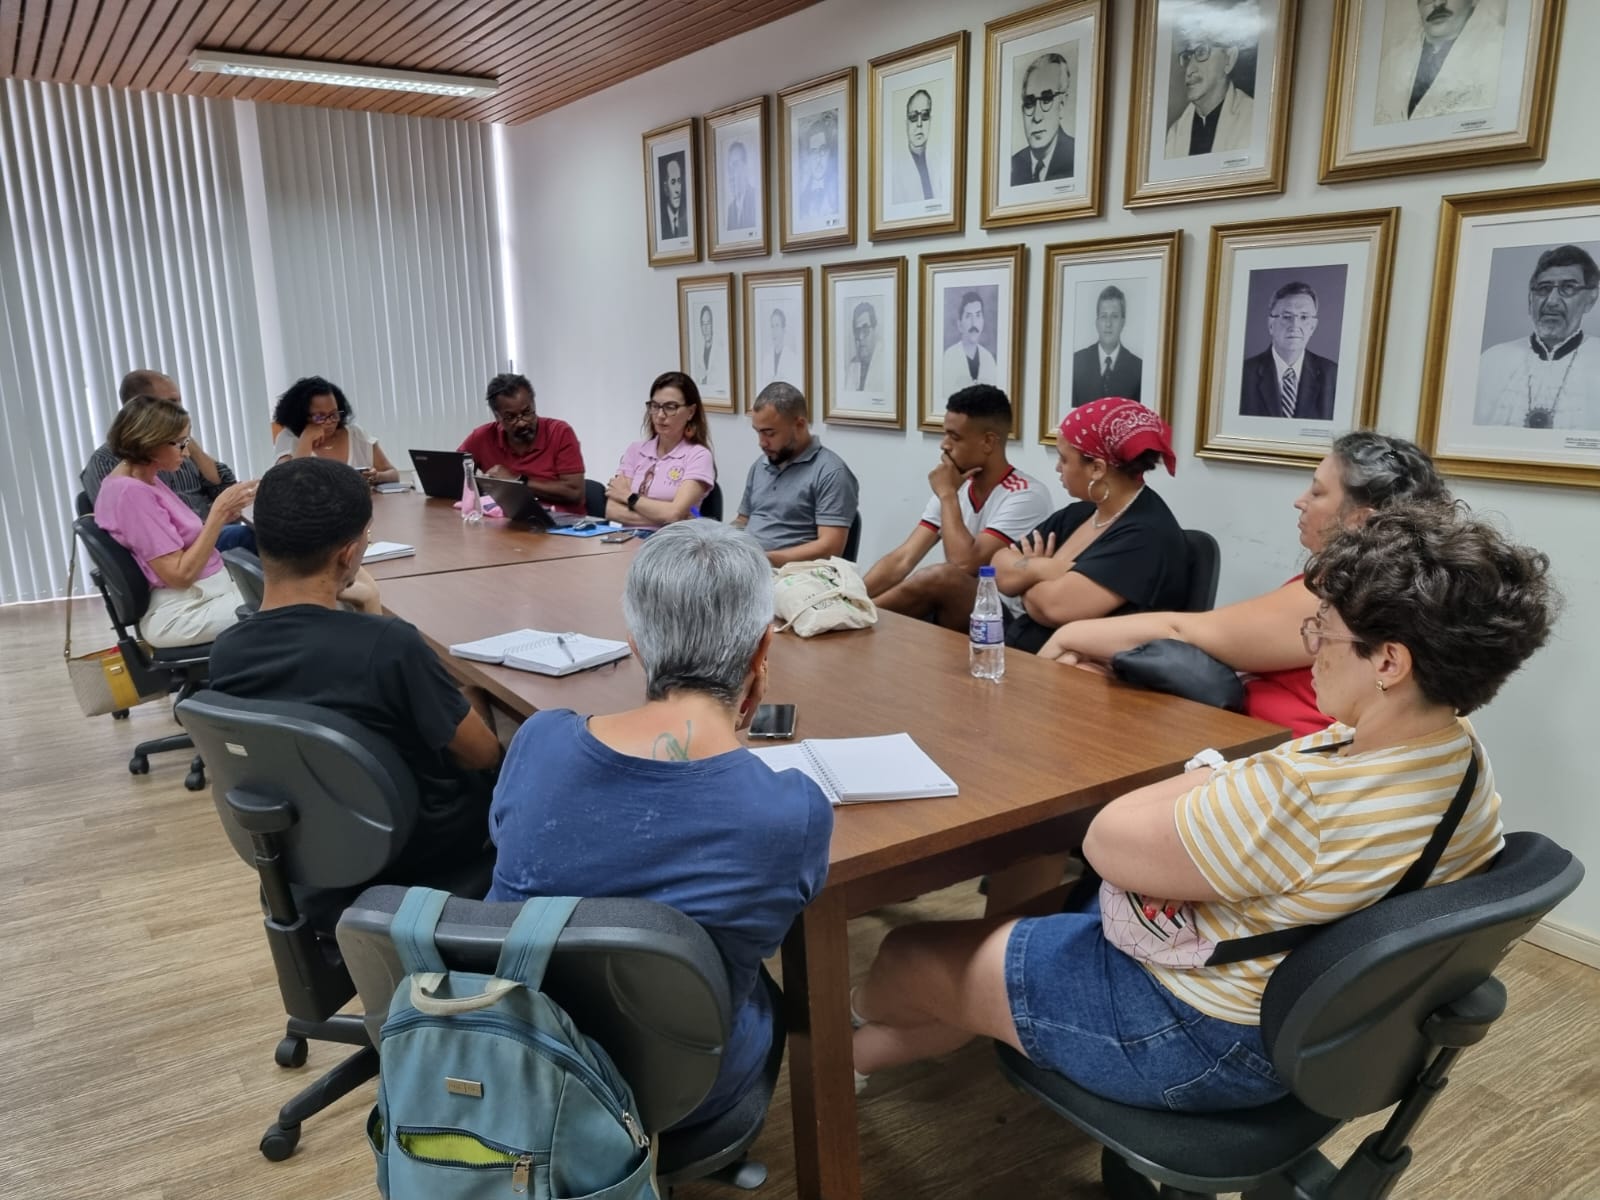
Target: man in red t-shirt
[(520, 444)]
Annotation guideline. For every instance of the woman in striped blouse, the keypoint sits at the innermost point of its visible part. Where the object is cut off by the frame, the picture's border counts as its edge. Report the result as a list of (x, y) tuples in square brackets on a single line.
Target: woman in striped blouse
[(1423, 613)]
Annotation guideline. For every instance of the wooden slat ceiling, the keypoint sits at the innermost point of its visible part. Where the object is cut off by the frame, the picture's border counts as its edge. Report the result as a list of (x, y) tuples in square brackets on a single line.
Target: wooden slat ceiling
[(545, 53)]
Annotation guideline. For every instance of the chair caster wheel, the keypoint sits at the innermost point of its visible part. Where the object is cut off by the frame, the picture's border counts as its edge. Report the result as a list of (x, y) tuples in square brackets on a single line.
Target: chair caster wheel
[(291, 1052), (195, 781), (138, 765), (120, 714), (1122, 1182), (278, 1143)]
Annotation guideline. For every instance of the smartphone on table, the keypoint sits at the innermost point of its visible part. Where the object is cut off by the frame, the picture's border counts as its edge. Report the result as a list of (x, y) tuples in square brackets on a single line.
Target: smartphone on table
[(773, 721)]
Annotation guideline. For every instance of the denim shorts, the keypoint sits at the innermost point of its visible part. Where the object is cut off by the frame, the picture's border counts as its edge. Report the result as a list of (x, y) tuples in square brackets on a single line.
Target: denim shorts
[(1086, 1010)]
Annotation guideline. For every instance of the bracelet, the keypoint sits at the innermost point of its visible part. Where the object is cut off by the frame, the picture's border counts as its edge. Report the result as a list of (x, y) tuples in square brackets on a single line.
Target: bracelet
[(1206, 758)]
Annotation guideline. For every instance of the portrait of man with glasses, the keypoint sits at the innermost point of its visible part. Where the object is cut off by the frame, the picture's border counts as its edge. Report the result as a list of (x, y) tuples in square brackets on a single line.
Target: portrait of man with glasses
[(1208, 44), (919, 172), (1046, 108), (1288, 379)]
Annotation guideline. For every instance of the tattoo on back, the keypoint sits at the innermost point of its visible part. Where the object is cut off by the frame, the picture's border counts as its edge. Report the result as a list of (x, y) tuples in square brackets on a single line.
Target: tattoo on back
[(668, 747)]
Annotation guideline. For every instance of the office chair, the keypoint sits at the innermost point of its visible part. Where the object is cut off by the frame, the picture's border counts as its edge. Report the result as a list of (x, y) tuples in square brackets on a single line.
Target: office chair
[(320, 806), (640, 978), (594, 498), (244, 568), (126, 593), (1205, 569), (852, 540), (1369, 1013), (711, 505)]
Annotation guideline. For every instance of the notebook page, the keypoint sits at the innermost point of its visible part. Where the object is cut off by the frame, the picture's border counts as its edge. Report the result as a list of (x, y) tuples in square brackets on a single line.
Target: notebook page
[(545, 654), (794, 756), (892, 767), (383, 551), (493, 649)]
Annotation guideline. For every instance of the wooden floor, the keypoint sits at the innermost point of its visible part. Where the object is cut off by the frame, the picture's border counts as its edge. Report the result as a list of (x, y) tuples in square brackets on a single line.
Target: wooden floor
[(138, 1013)]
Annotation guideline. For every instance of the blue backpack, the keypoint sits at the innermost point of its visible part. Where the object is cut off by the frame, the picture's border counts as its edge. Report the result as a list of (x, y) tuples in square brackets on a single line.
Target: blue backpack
[(485, 1086)]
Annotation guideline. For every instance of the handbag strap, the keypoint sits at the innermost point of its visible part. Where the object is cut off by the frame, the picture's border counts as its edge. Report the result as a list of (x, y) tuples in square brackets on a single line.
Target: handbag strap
[(531, 940), (72, 575)]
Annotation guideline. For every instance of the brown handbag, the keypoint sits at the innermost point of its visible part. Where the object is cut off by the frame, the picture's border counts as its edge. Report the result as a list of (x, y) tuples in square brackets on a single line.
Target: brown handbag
[(100, 680)]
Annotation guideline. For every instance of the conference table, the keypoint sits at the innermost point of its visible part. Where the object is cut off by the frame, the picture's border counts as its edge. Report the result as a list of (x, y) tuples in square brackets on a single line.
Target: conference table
[(1034, 756)]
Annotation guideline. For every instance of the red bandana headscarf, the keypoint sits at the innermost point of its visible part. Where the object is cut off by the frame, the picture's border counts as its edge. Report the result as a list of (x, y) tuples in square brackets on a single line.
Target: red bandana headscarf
[(1118, 431)]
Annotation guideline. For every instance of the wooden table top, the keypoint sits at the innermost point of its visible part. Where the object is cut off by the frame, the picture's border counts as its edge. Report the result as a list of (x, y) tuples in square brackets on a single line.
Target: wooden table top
[(445, 543), (1044, 742)]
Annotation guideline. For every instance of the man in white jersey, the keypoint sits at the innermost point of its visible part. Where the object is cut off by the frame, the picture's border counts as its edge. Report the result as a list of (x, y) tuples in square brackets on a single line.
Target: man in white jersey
[(980, 503), (1551, 378)]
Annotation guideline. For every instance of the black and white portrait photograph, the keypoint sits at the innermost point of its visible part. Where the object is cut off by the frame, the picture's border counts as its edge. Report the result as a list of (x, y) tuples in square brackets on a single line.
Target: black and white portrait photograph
[(863, 343), (917, 140), (706, 339), (816, 158), (672, 228), (1209, 107), (1423, 85), (1044, 78), (736, 185), (1109, 321), (971, 304), (1294, 338), (777, 330), (1512, 386)]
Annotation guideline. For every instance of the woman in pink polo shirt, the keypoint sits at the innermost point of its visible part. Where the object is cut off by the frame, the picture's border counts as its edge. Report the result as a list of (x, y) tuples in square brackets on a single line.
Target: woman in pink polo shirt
[(663, 477)]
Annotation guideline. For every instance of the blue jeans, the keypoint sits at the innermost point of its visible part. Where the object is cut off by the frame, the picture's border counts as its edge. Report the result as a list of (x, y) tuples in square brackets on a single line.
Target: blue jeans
[(1086, 1010), (238, 534)]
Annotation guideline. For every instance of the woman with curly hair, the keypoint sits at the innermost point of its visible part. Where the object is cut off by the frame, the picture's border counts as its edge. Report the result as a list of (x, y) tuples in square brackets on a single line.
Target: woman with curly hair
[(317, 421)]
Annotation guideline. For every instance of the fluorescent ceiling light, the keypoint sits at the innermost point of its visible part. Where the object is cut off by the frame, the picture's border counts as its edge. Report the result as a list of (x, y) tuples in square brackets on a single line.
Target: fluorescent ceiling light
[(334, 74)]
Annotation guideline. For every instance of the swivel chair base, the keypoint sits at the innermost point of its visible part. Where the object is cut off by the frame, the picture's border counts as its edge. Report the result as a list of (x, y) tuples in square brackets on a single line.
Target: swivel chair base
[(281, 1138)]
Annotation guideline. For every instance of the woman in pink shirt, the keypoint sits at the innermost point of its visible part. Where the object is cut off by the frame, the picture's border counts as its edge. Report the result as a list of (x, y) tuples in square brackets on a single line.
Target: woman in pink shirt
[(663, 477), (192, 599)]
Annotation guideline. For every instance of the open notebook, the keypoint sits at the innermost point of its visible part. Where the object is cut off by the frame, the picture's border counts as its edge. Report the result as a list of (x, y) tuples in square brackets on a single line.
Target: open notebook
[(851, 770), (384, 551), (541, 652)]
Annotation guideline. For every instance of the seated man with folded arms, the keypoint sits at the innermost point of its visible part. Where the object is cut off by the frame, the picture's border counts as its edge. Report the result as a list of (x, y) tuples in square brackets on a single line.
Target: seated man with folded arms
[(312, 517), (541, 452), (799, 503), (980, 504)]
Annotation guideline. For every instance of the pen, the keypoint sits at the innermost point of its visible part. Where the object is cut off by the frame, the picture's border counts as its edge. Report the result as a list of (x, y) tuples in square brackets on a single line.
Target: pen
[(561, 640)]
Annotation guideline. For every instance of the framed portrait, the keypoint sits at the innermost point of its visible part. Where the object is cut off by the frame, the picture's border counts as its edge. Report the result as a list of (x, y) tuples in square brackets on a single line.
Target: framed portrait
[(917, 140), (736, 183), (1110, 322), (777, 332), (1211, 82), (1440, 85), (672, 193), (705, 339), (1293, 344), (864, 343), (1044, 87), (971, 306), (817, 162), (1511, 387)]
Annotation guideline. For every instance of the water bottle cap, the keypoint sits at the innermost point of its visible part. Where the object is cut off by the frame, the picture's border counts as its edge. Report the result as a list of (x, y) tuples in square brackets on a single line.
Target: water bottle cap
[(985, 572)]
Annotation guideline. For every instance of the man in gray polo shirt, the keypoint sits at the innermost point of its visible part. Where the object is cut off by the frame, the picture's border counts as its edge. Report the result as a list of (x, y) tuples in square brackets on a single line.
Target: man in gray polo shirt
[(800, 500)]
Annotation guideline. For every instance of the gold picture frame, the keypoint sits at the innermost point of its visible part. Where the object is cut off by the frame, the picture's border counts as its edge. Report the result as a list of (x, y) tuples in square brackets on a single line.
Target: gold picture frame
[(870, 294), (770, 353), (948, 284), (1482, 329), (1372, 126), (1066, 39), (1250, 145), (738, 208), (911, 194), (1303, 294), (713, 372), (817, 162), (1144, 274), (672, 166)]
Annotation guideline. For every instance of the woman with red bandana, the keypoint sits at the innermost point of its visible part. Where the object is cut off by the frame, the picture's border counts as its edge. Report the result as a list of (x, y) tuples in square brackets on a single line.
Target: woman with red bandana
[(1118, 549)]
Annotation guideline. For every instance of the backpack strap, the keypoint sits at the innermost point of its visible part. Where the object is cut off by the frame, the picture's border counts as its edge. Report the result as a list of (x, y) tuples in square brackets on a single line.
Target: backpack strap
[(411, 931), (532, 938)]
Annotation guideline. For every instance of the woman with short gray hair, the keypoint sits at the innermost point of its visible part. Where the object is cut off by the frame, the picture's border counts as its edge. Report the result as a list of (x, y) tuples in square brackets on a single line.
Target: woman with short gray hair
[(663, 802)]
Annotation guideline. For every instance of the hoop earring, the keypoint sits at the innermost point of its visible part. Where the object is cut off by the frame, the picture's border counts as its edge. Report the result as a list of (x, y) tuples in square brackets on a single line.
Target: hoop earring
[(1090, 491)]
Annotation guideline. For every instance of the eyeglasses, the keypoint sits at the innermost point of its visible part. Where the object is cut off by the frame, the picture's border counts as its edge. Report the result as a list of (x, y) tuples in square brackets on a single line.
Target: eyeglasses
[(515, 418), (1568, 289), (665, 407), (1198, 53), (919, 116), (181, 444), (1312, 635), (1293, 318), (1030, 101), (322, 418)]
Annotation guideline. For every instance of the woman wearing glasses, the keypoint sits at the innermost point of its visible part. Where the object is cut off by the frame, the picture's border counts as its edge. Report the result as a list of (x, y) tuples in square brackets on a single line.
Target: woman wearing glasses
[(663, 477), (1152, 995), (192, 599), (316, 421)]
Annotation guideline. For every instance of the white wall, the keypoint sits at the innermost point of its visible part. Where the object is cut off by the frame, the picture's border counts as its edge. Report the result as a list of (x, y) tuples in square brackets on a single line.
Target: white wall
[(597, 323)]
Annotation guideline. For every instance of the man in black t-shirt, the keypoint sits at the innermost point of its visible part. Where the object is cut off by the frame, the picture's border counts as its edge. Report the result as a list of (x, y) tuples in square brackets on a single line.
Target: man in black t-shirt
[(311, 518)]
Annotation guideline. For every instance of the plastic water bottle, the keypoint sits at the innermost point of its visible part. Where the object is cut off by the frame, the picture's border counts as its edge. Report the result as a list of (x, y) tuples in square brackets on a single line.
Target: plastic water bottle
[(471, 501), (986, 651)]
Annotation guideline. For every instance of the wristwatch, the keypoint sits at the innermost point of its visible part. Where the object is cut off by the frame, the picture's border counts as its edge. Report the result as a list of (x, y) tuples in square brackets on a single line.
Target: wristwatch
[(1206, 758), (632, 501)]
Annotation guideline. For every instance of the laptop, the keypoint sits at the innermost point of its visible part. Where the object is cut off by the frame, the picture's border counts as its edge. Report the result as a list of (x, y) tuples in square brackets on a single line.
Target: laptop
[(518, 503), (439, 472)]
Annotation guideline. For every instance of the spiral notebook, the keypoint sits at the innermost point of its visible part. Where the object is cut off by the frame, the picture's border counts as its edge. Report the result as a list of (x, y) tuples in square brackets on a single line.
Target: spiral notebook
[(541, 652), (383, 551), (853, 770)]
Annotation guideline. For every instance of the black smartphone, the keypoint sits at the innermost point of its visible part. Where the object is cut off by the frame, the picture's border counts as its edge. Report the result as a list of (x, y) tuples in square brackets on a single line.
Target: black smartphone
[(624, 535), (773, 721)]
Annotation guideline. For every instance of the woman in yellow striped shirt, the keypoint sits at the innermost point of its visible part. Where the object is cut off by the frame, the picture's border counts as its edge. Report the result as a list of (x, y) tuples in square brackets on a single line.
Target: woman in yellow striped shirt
[(1424, 612)]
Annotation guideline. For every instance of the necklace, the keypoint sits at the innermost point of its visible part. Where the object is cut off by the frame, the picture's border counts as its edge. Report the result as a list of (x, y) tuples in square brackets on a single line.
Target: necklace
[(1543, 416), (1099, 524)]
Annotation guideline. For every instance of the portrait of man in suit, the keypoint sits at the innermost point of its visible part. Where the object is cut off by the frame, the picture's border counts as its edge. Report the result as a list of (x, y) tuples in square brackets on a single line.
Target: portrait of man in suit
[(1439, 58), (779, 359), (915, 175), (1287, 379), (744, 203), (967, 361), (818, 169), (864, 371), (1107, 368), (1219, 115), (673, 216), (1046, 93), (708, 361)]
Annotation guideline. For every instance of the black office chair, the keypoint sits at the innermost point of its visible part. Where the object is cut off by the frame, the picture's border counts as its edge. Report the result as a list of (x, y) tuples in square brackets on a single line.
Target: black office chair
[(244, 568), (1205, 569), (594, 498), (711, 506), (320, 807), (126, 593), (640, 978), (1369, 1013), (852, 540)]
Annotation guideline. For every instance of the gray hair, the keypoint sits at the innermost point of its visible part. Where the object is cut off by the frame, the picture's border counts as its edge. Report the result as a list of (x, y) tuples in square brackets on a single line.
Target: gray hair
[(1377, 471), (697, 600), (785, 397)]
